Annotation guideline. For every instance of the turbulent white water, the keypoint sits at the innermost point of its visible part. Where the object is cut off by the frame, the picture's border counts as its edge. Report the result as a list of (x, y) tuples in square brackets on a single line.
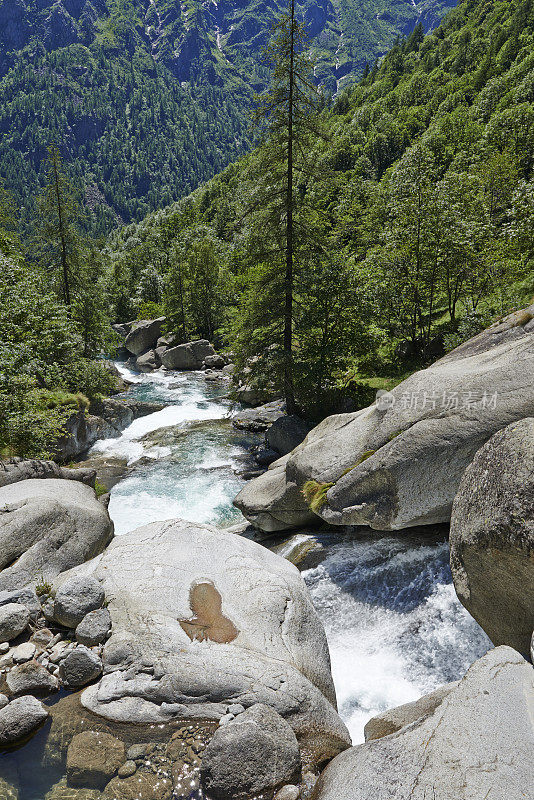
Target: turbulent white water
[(181, 459), (394, 625)]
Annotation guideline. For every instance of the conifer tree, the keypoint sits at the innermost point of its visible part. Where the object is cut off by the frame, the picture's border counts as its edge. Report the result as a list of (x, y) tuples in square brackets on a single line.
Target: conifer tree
[(58, 216), (286, 122)]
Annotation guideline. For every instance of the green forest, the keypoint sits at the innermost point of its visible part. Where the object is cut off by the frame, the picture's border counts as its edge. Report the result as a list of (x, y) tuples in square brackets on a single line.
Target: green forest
[(407, 229)]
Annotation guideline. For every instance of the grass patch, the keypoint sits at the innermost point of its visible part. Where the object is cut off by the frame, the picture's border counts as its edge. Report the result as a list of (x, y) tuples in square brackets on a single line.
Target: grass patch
[(43, 588), (100, 488), (314, 493)]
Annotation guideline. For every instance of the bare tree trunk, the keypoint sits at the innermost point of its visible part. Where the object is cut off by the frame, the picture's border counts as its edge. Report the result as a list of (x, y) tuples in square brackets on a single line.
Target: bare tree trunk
[(289, 390), (62, 236)]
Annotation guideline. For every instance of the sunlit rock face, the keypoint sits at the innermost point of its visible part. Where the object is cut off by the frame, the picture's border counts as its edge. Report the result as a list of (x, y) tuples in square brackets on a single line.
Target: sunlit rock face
[(202, 618)]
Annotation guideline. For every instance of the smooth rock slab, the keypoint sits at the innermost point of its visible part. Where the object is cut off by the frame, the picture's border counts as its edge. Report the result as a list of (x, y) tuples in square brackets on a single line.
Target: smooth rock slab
[(14, 620), (93, 758), (203, 619), (479, 743), (31, 678), (394, 719), (492, 537), (48, 526), (254, 753), (76, 598), (20, 718), (80, 667), (399, 462)]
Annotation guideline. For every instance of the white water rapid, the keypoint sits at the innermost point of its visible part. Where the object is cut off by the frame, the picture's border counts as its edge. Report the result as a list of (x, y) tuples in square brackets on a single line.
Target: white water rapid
[(394, 625)]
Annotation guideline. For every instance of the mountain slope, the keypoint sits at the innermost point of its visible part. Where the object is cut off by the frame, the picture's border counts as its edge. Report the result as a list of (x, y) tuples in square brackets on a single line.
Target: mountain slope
[(150, 97), (426, 215)]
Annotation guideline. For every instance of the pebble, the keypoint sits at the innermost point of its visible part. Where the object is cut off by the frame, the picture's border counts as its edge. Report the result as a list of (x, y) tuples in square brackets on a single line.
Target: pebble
[(235, 709), (226, 718), (287, 792), (128, 769), (24, 652), (4, 647)]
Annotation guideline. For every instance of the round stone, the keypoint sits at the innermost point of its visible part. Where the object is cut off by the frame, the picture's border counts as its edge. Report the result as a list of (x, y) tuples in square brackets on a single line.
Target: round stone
[(80, 667), (76, 598), (14, 619)]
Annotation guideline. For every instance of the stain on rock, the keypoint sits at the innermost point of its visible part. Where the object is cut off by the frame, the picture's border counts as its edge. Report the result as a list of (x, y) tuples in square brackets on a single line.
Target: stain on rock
[(208, 621)]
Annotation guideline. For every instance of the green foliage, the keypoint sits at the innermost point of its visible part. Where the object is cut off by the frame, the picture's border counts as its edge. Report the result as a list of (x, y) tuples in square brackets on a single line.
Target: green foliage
[(43, 587), (414, 211), (100, 488)]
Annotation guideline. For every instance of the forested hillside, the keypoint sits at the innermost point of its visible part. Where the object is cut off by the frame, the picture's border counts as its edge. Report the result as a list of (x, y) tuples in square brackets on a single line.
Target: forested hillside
[(149, 99), (415, 202)]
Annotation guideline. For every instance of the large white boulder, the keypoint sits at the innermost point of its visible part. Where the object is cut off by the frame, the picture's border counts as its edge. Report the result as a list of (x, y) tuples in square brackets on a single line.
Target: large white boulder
[(492, 537), (478, 743), (47, 526), (398, 463), (202, 618)]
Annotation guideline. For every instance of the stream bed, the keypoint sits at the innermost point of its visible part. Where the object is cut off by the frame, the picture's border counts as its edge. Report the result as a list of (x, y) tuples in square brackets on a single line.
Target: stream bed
[(395, 627)]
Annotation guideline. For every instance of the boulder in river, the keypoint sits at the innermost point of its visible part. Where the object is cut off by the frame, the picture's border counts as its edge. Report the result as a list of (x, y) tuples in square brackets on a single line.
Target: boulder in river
[(46, 527), (399, 462), (144, 335), (20, 718), (147, 362), (478, 743), (13, 470), (202, 619), (286, 433), (254, 753), (394, 719), (190, 355), (492, 537)]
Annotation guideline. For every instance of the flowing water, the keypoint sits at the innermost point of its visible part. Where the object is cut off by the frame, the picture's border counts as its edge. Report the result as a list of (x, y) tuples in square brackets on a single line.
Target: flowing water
[(394, 625)]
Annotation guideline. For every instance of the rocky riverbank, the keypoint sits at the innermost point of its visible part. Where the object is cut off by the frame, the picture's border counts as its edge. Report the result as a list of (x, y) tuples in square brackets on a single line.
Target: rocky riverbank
[(190, 661)]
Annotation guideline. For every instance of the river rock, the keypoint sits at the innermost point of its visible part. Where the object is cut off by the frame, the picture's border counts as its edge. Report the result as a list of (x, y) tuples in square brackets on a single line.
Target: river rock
[(62, 791), (14, 620), (214, 362), (190, 355), (19, 718), (147, 362), (93, 758), (140, 786), (479, 742), (23, 652), (256, 752), (492, 537), (144, 335), (394, 719), (25, 597), (398, 463), (46, 527), (261, 418), (76, 598), (14, 470), (31, 678), (80, 667), (202, 619), (94, 628), (4, 700), (286, 433)]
